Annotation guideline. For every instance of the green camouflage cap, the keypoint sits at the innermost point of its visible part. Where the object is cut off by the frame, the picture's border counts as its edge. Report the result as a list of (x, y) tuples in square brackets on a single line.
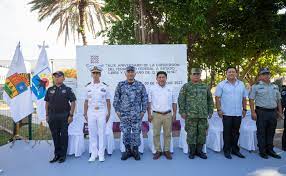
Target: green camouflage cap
[(196, 70)]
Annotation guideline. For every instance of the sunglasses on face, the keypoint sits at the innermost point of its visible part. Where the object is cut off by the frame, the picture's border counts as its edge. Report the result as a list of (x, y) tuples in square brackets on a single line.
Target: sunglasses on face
[(95, 73), (196, 74)]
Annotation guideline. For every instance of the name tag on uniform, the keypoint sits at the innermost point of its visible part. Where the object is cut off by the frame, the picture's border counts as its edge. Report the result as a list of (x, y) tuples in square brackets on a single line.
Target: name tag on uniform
[(64, 91), (102, 90), (52, 91)]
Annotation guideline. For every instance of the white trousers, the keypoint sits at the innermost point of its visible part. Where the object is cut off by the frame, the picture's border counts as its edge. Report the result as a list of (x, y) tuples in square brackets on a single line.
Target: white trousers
[(96, 129)]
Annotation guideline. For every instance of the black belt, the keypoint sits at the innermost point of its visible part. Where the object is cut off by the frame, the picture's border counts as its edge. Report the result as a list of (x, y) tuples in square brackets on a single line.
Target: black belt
[(163, 113), (265, 109)]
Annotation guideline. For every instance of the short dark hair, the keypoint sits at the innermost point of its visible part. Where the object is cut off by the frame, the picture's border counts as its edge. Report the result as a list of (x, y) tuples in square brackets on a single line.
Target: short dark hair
[(231, 67), (161, 72)]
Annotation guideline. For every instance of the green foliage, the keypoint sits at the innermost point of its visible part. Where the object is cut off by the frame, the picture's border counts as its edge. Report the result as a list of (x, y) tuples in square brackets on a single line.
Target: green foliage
[(247, 34)]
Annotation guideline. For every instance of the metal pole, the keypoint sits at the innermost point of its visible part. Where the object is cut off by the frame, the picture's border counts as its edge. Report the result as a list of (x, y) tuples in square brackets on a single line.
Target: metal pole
[(30, 127), (52, 63)]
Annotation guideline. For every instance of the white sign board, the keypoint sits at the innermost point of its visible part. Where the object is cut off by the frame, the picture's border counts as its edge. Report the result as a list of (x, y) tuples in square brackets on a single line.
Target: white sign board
[(148, 60)]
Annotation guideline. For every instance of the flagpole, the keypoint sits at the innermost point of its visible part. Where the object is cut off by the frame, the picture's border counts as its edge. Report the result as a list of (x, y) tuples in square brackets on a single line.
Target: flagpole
[(40, 131), (16, 131)]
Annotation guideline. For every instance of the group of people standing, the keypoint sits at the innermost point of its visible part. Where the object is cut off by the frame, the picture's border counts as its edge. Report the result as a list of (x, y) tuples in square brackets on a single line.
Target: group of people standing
[(195, 105)]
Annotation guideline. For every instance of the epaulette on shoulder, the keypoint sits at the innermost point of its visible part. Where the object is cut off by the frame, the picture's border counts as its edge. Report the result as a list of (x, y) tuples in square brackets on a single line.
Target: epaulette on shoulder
[(87, 84)]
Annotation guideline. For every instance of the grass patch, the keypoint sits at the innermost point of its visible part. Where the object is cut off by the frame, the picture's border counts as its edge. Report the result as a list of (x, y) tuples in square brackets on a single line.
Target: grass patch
[(39, 132), (4, 137)]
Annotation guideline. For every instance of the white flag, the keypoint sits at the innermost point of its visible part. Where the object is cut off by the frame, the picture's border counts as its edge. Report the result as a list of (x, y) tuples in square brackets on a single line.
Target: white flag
[(40, 82), (17, 92)]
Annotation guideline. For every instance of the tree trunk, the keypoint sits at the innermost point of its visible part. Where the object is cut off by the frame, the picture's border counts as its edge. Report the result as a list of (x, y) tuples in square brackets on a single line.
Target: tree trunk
[(81, 8), (142, 23), (212, 81), (192, 39), (250, 65)]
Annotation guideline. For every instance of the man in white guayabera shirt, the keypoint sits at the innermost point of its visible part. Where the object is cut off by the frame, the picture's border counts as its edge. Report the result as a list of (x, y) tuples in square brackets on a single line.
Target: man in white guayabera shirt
[(230, 96), (162, 109)]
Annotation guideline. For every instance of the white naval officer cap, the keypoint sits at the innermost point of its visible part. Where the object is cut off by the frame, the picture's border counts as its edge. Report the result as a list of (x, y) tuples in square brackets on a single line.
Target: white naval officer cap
[(97, 69)]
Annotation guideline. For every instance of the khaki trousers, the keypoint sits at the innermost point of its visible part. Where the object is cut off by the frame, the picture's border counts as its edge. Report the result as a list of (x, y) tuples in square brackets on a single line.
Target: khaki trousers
[(158, 121)]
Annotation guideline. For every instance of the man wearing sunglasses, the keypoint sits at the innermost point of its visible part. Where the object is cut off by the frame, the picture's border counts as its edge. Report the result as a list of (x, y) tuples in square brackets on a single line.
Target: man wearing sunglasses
[(265, 105), (195, 106), (97, 112)]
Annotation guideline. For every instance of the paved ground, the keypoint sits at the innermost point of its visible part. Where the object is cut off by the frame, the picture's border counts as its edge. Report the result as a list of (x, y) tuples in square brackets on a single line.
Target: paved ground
[(278, 135), (23, 160)]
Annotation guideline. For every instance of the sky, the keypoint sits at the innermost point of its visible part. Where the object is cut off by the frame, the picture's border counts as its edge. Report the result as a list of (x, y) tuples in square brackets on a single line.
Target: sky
[(19, 24)]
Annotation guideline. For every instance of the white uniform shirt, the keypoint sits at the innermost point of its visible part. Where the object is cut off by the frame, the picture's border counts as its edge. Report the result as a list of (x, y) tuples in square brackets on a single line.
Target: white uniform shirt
[(97, 94), (161, 98), (231, 97)]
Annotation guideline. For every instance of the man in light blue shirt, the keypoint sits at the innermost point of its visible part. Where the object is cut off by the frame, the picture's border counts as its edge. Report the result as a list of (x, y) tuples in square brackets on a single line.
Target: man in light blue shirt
[(230, 96)]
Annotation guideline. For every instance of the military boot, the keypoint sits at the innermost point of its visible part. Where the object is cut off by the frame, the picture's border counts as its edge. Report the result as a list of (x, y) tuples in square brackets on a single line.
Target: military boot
[(192, 151), (200, 152), (127, 154), (136, 153)]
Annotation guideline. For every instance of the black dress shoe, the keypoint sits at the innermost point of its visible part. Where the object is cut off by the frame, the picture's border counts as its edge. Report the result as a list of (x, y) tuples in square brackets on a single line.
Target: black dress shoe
[(273, 154), (192, 156), (238, 154), (202, 155), (55, 159), (227, 155), (62, 159), (263, 155)]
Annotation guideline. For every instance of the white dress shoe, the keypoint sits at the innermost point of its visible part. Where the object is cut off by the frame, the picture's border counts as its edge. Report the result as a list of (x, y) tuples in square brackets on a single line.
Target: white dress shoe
[(92, 158), (101, 158)]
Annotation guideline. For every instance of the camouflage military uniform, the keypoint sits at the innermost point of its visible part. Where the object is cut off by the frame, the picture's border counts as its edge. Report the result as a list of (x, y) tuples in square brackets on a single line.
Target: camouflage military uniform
[(130, 100), (196, 102)]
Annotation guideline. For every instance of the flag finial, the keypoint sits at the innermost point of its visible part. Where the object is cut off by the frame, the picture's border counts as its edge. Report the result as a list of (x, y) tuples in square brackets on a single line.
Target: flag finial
[(44, 45)]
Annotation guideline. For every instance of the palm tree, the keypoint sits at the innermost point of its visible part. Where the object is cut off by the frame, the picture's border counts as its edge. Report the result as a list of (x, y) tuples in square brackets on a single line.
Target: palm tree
[(73, 16)]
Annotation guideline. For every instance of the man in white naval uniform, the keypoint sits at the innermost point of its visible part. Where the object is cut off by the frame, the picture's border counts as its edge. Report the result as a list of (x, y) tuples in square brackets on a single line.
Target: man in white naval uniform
[(97, 112)]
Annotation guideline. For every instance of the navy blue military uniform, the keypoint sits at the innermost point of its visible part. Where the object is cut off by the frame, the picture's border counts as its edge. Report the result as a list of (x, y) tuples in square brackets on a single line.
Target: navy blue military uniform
[(59, 99), (130, 100)]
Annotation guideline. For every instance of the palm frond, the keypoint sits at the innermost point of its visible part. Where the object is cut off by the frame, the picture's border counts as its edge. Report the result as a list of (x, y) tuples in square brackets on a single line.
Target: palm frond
[(65, 13)]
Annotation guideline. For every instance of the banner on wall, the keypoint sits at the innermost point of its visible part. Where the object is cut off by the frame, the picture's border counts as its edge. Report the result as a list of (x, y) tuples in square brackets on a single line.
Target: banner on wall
[(148, 60)]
